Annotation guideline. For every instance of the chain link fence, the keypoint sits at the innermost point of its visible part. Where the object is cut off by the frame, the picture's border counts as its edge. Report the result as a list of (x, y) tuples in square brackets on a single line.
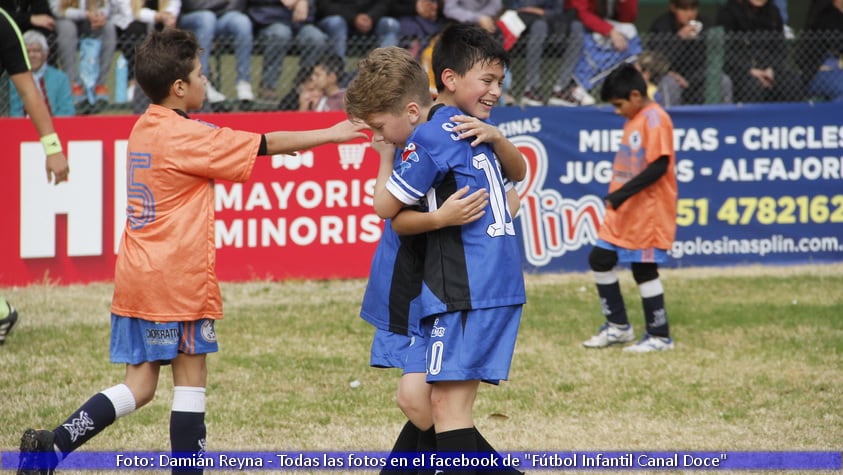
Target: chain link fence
[(715, 68)]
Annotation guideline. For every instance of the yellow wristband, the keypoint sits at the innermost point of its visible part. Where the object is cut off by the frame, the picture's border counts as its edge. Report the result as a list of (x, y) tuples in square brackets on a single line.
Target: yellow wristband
[(51, 143)]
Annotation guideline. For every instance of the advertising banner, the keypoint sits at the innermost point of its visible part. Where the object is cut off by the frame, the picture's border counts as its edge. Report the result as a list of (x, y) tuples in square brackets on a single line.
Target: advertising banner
[(758, 184)]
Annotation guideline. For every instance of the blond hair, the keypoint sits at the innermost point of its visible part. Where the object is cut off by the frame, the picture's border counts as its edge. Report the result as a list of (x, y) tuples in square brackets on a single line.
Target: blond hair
[(387, 80)]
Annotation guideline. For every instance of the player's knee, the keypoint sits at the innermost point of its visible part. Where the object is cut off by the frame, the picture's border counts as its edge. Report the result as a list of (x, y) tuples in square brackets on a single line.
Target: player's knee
[(645, 271), (602, 260)]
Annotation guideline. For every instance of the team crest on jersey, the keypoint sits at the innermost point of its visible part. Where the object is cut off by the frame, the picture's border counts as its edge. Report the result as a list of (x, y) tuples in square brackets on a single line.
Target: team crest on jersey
[(207, 330), (635, 140), (407, 156)]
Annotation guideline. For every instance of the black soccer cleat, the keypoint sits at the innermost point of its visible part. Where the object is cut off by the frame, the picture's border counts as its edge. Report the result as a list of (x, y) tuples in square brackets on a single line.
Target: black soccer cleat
[(37, 456), (7, 323)]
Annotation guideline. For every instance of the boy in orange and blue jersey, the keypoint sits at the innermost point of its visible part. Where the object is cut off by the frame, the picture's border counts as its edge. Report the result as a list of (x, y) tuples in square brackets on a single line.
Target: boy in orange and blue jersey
[(640, 221), (166, 294)]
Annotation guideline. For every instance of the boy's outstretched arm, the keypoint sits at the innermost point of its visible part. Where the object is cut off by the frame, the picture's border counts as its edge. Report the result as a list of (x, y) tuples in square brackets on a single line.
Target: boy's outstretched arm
[(512, 162), (293, 141)]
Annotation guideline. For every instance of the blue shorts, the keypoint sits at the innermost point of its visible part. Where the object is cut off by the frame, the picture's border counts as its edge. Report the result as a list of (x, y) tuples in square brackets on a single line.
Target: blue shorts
[(471, 344), (393, 350), (135, 341), (635, 255)]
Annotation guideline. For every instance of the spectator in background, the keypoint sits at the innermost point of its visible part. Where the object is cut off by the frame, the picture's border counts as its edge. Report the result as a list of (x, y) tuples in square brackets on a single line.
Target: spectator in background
[(662, 86), (354, 20), (612, 23), (821, 50), (32, 14), (548, 22), (278, 25), (52, 83), (326, 77), (420, 21), (223, 19), (679, 36), (754, 58), (304, 96), (78, 19), (483, 13), (602, 16), (134, 19)]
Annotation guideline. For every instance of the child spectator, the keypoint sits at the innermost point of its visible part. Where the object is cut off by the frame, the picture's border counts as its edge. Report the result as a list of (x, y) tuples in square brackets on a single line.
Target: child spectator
[(166, 294), (640, 221), (52, 83), (327, 74)]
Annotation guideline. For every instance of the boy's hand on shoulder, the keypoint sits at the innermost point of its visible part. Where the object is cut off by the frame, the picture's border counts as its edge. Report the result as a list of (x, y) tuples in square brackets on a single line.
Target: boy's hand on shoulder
[(468, 127), (345, 131), (459, 209)]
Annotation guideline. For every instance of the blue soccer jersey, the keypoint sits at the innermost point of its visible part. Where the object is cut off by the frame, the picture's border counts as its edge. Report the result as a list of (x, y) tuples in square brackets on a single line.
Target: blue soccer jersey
[(390, 301), (395, 281), (474, 266)]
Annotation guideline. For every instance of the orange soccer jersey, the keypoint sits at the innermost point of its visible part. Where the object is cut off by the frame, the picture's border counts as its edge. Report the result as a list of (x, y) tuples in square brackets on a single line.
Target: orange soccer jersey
[(165, 263), (648, 218)]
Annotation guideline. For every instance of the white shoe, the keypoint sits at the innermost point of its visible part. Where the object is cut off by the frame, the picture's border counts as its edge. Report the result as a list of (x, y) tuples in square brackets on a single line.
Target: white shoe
[(213, 95), (244, 91), (610, 334), (582, 96), (650, 343)]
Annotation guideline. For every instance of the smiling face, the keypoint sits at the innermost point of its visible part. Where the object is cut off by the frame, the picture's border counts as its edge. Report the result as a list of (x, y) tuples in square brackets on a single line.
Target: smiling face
[(478, 90)]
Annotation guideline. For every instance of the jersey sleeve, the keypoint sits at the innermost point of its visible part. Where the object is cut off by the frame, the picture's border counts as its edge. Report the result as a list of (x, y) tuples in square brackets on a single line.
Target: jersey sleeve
[(219, 153), (414, 174), (659, 138)]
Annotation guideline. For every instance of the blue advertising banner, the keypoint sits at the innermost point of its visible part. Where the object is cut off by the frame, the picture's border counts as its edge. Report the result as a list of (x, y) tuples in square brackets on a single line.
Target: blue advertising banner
[(758, 184)]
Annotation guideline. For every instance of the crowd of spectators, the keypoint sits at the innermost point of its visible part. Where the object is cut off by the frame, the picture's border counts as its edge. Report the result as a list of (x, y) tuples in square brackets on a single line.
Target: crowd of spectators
[(565, 47)]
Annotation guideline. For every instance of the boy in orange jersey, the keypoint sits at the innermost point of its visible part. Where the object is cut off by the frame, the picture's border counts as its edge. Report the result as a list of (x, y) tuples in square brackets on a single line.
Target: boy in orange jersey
[(640, 221), (166, 295)]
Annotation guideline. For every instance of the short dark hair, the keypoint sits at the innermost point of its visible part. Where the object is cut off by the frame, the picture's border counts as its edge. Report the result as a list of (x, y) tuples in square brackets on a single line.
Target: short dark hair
[(620, 83), (163, 58), (332, 63), (461, 46)]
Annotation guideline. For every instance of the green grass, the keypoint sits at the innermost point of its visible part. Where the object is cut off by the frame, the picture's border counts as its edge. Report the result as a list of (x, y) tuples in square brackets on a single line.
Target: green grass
[(757, 366)]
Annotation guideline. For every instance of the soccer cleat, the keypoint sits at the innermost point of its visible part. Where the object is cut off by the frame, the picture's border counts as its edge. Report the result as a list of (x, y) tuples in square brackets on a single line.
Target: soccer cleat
[(610, 334), (531, 98), (650, 343), (244, 91), (37, 455), (573, 96), (213, 95), (7, 323)]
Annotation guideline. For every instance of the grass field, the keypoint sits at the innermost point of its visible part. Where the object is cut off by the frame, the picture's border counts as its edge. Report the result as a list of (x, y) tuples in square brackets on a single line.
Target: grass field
[(757, 366)]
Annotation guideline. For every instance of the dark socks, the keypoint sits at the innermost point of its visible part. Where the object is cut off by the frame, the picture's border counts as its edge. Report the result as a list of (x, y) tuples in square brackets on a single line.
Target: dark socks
[(187, 438), (612, 303), (656, 316), (92, 417), (408, 440)]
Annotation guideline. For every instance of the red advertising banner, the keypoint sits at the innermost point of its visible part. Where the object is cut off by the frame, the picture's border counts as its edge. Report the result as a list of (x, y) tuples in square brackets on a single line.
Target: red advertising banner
[(303, 216)]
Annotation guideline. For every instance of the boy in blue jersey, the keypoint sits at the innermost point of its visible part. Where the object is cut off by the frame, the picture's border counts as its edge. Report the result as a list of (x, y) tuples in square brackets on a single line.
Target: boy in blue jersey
[(473, 287), (390, 94)]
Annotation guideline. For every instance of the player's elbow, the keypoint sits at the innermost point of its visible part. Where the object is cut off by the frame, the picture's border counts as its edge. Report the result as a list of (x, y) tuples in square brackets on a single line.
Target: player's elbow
[(386, 206)]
